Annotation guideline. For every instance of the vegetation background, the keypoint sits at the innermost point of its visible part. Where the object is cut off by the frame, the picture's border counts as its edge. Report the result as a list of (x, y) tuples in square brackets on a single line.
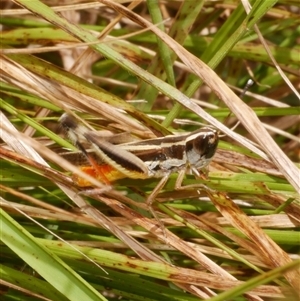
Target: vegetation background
[(146, 68)]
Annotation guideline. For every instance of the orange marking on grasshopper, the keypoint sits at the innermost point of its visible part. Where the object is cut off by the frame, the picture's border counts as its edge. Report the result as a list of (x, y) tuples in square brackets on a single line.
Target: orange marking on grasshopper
[(101, 172)]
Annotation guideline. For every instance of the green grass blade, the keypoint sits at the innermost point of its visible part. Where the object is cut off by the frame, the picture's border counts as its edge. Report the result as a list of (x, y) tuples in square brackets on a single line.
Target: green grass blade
[(50, 267)]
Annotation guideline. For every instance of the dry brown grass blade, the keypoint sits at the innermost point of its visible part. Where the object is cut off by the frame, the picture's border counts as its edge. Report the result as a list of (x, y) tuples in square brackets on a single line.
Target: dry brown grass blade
[(40, 204), (268, 249), (238, 159), (274, 221), (19, 76), (104, 221), (80, 61), (63, 96), (46, 152), (293, 210), (16, 144), (60, 8), (202, 223), (243, 112), (171, 239), (177, 243)]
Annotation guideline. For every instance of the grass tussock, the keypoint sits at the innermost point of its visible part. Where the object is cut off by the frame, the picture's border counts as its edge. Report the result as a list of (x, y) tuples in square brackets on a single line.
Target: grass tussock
[(150, 69)]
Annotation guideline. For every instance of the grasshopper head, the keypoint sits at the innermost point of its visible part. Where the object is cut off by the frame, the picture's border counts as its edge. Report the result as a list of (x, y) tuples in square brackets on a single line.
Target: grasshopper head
[(201, 147)]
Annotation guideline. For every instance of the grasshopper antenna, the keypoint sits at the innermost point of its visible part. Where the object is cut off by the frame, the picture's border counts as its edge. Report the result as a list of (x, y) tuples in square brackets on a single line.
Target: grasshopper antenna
[(248, 85)]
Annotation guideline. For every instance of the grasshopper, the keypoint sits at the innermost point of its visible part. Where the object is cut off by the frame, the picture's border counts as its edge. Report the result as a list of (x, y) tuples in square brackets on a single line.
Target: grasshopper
[(151, 158)]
